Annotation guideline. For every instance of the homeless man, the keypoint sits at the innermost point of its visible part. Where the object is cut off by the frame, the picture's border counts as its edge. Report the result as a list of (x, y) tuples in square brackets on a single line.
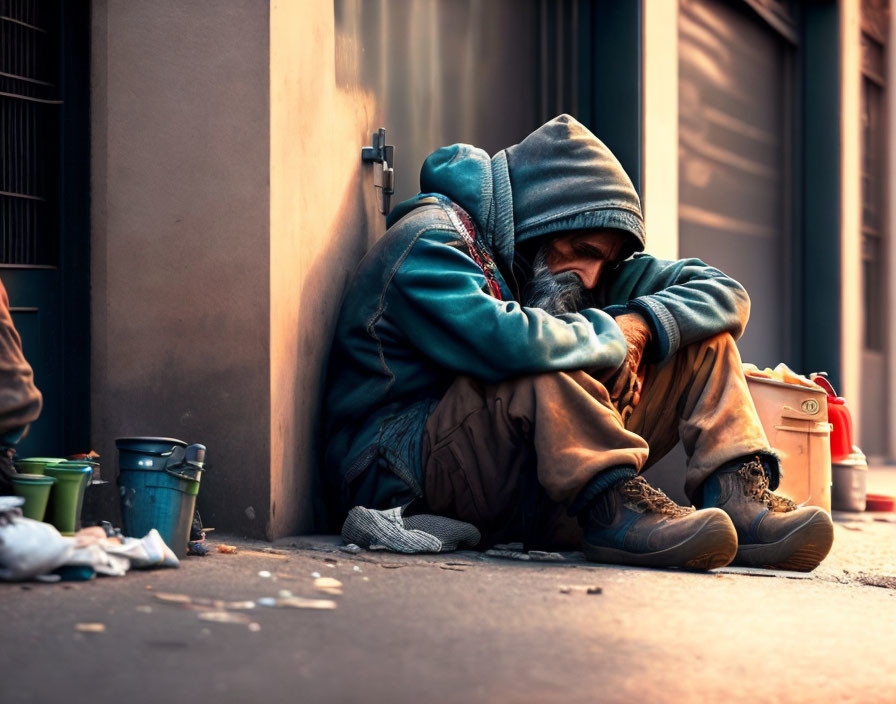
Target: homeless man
[(506, 356)]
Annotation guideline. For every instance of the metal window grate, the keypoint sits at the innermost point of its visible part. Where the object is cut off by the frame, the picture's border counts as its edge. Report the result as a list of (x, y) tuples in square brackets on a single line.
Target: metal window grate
[(29, 131)]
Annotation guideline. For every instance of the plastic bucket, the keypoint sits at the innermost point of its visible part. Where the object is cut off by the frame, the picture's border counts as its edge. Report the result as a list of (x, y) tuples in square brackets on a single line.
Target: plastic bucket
[(67, 497), (795, 420), (35, 489), (162, 499), (35, 465), (153, 493)]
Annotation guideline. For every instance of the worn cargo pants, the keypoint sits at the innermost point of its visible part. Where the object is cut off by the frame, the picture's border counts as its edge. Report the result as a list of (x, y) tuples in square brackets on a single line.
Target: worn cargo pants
[(510, 457)]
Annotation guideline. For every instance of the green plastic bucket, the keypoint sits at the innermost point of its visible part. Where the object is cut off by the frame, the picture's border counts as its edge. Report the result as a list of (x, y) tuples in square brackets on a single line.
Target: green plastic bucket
[(35, 465), (35, 489), (67, 497), (155, 494)]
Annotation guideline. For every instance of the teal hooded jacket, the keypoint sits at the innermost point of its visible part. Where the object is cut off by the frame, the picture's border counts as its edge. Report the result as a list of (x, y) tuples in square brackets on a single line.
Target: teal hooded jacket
[(420, 311)]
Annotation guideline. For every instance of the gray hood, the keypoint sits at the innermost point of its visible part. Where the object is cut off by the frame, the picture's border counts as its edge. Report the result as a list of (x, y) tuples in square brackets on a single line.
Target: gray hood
[(564, 178)]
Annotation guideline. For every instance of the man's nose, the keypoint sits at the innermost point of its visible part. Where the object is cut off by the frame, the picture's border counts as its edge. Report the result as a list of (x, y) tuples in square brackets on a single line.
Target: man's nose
[(590, 274)]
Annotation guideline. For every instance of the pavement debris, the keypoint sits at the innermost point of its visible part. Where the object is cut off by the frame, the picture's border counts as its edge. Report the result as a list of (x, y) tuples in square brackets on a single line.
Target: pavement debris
[(516, 551), (762, 572), (884, 581), (225, 617), (508, 554), (297, 602), (453, 568), (228, 549), (328, 585), (264, 574), (580, 589), (90, 627), (174, 598), (202, 602), (197, 549), (350, 548)]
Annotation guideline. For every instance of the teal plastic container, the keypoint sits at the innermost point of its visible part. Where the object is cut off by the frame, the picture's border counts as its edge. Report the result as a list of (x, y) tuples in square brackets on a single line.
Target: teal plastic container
[(158, 481)]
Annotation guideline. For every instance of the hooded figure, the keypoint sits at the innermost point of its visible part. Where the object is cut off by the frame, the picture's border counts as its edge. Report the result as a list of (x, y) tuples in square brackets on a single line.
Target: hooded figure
[(446, 390)]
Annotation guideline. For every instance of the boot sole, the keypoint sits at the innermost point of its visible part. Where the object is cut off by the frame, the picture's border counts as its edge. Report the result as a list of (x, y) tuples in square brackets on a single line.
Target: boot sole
[(802, 550), (713, 545)]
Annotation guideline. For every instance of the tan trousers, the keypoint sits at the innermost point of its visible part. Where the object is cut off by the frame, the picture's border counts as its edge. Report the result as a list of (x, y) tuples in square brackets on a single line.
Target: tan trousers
[(509, 457)]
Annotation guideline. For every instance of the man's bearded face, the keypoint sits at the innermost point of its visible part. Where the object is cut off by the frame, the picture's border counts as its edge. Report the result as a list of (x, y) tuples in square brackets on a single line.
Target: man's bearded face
[(567, 266)]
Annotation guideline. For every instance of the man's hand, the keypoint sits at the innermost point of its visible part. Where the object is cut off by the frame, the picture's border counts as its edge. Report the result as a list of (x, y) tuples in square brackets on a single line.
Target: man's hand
[(626, 387)]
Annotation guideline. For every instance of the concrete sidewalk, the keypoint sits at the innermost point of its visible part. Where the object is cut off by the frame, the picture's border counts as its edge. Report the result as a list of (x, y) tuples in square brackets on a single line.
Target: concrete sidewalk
[(461, 627)]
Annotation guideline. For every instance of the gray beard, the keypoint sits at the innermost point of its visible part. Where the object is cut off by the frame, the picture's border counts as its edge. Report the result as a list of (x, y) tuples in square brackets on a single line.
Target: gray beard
[(556, 294)]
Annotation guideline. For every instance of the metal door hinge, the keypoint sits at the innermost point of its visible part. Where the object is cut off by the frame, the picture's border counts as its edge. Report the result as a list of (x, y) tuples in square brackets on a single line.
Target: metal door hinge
[(383, 157)]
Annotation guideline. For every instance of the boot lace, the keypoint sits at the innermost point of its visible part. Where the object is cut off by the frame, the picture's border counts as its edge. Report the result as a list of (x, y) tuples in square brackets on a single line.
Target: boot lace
[(644, 497), (755, 484)]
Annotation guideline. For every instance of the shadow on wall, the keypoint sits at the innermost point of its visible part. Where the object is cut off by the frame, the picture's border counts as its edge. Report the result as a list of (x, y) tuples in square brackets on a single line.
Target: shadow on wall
[(356, 224)]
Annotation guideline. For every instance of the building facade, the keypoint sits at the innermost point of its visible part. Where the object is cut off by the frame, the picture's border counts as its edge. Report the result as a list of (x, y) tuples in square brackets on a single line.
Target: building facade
[(184, 199)]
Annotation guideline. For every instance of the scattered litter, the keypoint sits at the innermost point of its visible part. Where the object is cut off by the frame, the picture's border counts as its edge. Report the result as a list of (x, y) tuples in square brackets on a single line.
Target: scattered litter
[(271, 551), (224, 617), (284, 593), (197, 548), (144, 609), (173, 598), (254, 627), (460, 564), (297, 602), (350, 548), (390, 565), (761, 572), (228, 549), (509, 554), (264, 574), (240, 604), (542, 556), (452, 568), (316, 575), (365, 579), (885, 581), (328, 585), (580, 589), (331, 560), (90, 627), (265, 553), (356, 568)]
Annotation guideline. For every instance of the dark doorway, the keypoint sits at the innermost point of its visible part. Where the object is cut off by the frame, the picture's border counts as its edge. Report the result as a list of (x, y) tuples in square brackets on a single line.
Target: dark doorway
[(44, 202)]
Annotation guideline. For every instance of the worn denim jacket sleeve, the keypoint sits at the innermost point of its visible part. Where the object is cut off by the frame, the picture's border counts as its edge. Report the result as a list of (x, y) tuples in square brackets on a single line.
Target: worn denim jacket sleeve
[(685, 301), (438, 299)]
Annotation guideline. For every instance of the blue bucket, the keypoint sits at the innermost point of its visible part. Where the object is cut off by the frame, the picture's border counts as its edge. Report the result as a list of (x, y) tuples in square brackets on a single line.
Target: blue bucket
[(158, 488)]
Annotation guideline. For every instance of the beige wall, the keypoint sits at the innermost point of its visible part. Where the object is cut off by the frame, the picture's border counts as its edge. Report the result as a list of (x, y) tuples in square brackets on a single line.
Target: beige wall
[(851, 206), (180, 258), (660, 80), (321, 220)]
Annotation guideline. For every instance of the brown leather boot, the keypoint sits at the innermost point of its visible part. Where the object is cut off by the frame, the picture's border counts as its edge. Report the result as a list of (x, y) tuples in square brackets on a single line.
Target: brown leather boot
[(632, 523), (772, 531)]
